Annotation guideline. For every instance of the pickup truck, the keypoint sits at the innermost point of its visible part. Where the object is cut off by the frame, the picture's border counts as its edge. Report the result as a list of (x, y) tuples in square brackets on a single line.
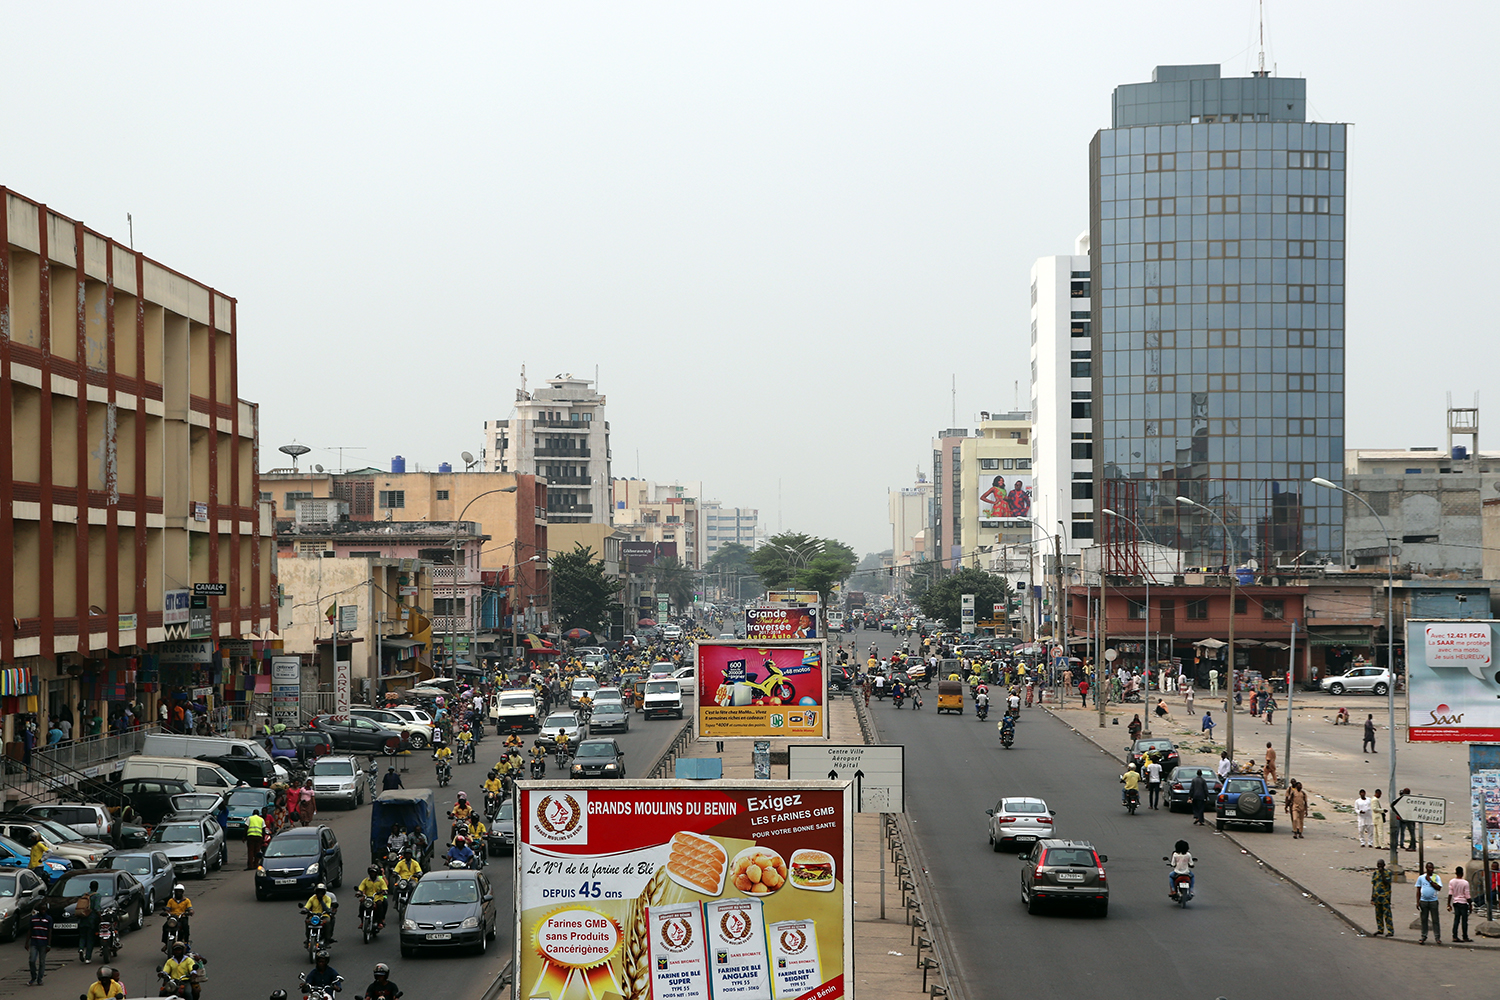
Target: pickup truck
[(515, 712), (1246, 798)]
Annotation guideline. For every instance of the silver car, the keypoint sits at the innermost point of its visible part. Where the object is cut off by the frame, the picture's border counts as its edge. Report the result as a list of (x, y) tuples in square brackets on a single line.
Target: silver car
[(1019, 821), (567, 722), (1376, 680), (339, 779), (195, 845)]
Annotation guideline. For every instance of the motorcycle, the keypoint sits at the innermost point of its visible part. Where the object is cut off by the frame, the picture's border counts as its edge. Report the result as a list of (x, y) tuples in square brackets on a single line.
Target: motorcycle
[(561, 755), (403, 894), (491, 807), (175, 933), (1182, 886), (108, 934), (329, 992), (466, 751), (1132, 799), (444, 773), (538, 767), (173, 987), (367, 924), (898, 699), (982, 710), (316, 937), (1007, 734)]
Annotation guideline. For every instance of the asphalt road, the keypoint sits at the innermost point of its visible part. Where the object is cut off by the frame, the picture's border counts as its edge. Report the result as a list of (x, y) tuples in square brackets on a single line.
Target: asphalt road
[(255, 947), (1247, 934)]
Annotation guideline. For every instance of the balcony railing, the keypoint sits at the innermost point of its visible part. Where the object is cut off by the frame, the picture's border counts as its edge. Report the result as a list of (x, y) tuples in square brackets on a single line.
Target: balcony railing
[(454, 576), (545, 452)]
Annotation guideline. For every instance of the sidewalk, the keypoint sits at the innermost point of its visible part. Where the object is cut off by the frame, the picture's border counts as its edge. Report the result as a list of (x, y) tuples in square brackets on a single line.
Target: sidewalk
[(1328, 862), (885, 961)]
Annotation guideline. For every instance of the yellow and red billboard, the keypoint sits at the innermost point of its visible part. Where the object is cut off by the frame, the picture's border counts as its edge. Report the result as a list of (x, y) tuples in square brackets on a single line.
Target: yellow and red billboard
[(770, 690)]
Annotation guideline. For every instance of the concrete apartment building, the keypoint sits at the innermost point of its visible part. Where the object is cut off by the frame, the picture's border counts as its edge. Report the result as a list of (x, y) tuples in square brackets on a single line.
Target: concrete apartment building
[(997, 492), (664, 514), (129, 476), (509, 509), (722, 525), (557, 433), (910, 513)]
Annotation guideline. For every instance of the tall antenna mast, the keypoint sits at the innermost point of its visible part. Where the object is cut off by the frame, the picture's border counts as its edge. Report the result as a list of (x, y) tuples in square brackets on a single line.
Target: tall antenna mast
[(954, 422), (1261, 5), (523, 380)]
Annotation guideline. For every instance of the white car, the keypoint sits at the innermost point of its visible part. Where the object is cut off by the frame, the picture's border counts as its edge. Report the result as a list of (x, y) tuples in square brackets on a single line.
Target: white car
[(672, 633), (338, 779), (684, 678), (418, 734), (1019, 821), (1373, 679)]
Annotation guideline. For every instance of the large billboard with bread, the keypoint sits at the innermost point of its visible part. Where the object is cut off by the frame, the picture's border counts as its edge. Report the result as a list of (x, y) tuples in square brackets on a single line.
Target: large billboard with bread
[(683, 890), (773, 689)]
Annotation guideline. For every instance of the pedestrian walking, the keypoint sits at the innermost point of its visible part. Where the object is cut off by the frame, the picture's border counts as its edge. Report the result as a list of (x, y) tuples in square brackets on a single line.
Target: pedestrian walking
[(1268, 706), (1270, 764), (306, 806), (1208, 725), (1429, 890), (1296, 802), (1083, 692), (1458, 904), (1213, 681), (1254, 704), (38, 943), (1377, 817), (1153, 782), (1198, 793), (1364, 820), (1380, 896), (1369, 744), (1407, 834), (1188, 701), (255, 838)]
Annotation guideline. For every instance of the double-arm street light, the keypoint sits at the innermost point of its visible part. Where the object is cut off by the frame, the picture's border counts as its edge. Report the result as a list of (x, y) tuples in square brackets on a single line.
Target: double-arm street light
[(1233, 594), (1390, 640), (452, 618)]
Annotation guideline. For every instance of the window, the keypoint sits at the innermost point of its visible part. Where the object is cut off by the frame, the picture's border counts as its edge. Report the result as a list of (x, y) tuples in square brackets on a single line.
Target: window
[(1301, 248), (1082, 369), (1164, 295), (1306, 205), (1082, 411), (1166, 161), (1081, 315), (442, 494), (1083, 449), (1033, 293), (1008, 463), (1079, 289), (1137, 611), (1161, 251), (1197, 609), (1162, 206), (989, 463), (1223, 293), (1299, 160), (1023, 463), (1239, 605), (449, 606), (1302, 338), (365, 555), (392, 499), (1081, 328), (1227, 160), (1228, 204), (292, 498), (1226, 248), (1302, 293), (1273, 609), (264, 495), (310, 548), (1083, 490), (1083, 529)]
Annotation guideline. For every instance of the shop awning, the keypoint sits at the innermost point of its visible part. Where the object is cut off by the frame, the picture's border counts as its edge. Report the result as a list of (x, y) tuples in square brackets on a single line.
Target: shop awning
[(489, 638), (399, 643), (1210, 644)]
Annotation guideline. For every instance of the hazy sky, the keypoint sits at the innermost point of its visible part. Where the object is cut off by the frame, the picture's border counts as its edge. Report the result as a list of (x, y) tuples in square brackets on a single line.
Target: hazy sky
[(778, 229)]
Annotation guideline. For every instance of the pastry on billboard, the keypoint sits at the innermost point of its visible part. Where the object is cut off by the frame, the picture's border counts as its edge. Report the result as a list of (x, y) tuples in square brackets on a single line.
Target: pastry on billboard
[(812, 870), (757, 871), (697, 863)]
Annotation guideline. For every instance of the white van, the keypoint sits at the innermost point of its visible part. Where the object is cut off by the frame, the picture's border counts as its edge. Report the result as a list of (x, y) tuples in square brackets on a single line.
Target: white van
[(202, 775), (663, 697), (172, 745)]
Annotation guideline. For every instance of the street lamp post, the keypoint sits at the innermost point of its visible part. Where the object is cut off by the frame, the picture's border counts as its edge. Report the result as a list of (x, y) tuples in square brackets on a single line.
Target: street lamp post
[(1390, 640), (1233, 593), (1146, 576), (452, 618), (1058, 635)]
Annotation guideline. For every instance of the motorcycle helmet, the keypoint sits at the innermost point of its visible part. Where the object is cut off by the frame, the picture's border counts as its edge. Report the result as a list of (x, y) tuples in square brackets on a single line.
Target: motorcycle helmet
[(279, 995), (179, 949), (374, 871), (106, 973), (460, 840), (179, 887), (463, 796), (382, 970), (322, 955), (322, 888)]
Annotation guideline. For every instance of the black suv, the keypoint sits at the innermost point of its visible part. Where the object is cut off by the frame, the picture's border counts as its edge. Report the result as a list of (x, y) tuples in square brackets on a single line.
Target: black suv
[(1163, 749), (1068, 871)]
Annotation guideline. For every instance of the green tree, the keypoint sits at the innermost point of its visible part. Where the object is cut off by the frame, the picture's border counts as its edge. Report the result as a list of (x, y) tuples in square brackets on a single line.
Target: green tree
[(795, 561), (943, 599), (730, 567), (671, 577), (581, 591)]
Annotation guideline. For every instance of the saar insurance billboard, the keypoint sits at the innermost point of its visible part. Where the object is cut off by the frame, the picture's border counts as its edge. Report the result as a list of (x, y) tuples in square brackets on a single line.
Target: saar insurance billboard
[(769, 689), (683, 890), (1452, 682)]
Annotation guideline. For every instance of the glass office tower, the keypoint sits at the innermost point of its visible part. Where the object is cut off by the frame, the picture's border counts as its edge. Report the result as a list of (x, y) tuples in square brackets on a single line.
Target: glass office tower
[(1217, 254)]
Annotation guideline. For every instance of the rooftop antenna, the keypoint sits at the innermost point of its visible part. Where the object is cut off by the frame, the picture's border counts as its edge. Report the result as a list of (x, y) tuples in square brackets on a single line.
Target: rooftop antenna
[(955, 401), (130, 225), (1261, 7), (523, 380), (341, 448)]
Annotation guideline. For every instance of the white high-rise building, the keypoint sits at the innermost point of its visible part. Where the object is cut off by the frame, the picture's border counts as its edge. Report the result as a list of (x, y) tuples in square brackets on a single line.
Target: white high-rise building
[(1062, 440), (558, 433)]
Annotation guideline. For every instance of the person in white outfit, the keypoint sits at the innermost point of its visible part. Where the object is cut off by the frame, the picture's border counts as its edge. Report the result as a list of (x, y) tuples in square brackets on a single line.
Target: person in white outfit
[(1364, 817)]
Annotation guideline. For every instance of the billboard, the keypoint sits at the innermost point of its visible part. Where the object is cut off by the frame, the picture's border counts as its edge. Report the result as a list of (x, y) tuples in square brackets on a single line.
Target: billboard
[(638, 554), (792, 597), (787, 622), (1484, 799), (1452, 682), (1005, 496), (773, 689), (683, 890)]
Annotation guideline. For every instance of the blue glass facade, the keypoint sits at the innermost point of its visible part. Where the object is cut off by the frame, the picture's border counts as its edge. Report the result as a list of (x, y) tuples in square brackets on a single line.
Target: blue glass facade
[(1218, 273)]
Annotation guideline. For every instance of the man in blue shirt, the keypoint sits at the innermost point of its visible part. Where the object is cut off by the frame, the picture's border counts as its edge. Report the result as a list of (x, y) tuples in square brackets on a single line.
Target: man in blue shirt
[(460, 852), (1429, 890)]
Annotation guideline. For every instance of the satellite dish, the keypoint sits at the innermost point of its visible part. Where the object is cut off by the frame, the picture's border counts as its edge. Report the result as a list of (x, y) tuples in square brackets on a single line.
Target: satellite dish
[(1251, 564), (318, 467), (467, 457), (294, 450)]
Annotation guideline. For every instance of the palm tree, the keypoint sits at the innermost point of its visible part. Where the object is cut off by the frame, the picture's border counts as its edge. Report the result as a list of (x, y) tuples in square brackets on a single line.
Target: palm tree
[(671, 577)]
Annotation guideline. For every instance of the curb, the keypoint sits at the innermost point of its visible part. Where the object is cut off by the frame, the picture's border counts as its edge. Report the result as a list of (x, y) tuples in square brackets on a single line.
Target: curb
[(1312, 896)]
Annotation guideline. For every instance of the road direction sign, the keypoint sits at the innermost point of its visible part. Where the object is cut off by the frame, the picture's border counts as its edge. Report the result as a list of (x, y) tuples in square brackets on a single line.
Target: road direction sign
[(877, 772), (1422, 809)]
